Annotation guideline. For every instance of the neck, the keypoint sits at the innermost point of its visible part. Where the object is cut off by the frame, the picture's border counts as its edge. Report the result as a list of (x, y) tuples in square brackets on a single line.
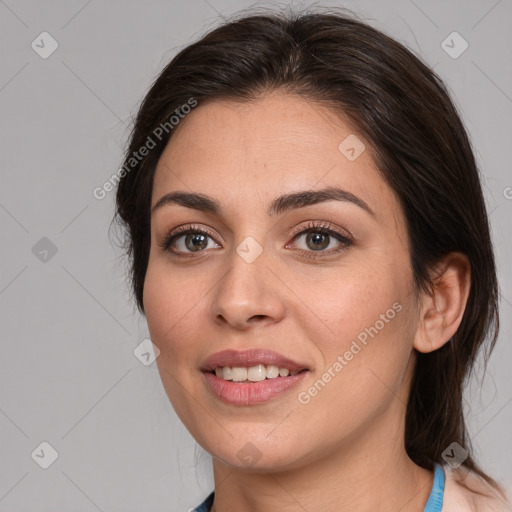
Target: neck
[(370, 472)]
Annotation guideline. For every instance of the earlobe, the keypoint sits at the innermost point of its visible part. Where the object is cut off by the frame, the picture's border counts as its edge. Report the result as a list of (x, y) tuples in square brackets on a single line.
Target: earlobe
[(442, 311)]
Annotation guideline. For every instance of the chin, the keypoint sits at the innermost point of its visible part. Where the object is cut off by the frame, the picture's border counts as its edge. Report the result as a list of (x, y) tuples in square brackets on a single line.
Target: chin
[(259, 453)]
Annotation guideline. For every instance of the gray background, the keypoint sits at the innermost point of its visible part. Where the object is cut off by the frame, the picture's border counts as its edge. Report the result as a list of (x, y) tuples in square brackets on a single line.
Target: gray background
[(68, 374)]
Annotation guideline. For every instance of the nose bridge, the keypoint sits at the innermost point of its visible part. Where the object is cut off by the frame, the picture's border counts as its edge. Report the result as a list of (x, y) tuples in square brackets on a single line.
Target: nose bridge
[(249, 289)]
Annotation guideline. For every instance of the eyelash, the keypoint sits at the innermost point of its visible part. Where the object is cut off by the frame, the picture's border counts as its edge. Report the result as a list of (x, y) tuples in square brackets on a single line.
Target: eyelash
[(312, 227)]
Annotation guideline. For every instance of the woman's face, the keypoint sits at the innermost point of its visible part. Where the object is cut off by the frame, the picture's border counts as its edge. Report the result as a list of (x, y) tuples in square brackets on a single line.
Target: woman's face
[(262, 273)]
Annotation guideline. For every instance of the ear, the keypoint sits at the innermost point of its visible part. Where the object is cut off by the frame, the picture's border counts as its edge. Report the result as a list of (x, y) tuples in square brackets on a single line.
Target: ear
[(441, 312)]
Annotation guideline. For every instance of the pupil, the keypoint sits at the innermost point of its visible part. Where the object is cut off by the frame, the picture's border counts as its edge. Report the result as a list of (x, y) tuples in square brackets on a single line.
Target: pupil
[(317, 239), (198, 241)]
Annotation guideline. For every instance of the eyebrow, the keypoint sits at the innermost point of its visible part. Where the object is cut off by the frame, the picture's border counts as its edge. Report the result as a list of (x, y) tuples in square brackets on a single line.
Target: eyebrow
[(279, 205)]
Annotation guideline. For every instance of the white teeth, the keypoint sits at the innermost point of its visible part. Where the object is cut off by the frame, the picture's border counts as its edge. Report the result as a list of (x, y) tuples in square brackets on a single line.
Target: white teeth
[(253, 373), (272, 371), (256, 373), (238, 373)]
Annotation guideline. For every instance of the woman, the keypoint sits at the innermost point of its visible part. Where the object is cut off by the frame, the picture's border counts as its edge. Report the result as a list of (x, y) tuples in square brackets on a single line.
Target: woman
[(310, 246)]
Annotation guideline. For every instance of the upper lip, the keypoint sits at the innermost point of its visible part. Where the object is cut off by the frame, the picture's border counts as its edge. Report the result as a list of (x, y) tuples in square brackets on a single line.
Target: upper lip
[(251, 357)]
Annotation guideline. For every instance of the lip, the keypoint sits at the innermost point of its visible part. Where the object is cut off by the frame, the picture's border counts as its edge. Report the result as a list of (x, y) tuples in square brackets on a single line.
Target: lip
[(251, 357), (251, 393)]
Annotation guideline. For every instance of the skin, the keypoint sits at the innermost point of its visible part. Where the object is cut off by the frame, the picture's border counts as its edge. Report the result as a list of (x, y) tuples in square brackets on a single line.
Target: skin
[(347, 444)]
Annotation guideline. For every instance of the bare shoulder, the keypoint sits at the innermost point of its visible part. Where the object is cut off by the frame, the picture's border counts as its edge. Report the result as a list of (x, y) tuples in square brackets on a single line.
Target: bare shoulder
[(465, 491)]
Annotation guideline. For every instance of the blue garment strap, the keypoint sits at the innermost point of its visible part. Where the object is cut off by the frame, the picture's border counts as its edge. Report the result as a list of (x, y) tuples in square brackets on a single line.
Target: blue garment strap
[(434, 503), (435, 500), (206, 505)]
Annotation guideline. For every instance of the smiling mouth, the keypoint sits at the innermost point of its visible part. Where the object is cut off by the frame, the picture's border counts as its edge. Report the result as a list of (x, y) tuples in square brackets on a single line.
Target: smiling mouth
[(254, 384), (255, 373)]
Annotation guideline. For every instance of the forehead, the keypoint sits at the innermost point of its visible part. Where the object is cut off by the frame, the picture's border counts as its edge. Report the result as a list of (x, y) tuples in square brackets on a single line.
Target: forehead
[(279, 143)]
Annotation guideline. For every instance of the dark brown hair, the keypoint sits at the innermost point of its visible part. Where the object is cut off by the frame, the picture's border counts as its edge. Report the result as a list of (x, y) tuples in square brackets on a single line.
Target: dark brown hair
[(418, 142)]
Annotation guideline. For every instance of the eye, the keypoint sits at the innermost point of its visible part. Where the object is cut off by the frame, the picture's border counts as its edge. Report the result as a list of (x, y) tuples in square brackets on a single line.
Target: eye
[(318, 237), (188, 239)]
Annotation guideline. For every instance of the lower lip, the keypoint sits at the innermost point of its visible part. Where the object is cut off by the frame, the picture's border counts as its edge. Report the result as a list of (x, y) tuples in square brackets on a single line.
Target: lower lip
[(247, 393)]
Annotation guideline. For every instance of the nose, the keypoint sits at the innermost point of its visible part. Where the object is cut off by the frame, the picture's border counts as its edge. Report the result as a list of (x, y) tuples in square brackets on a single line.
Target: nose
[(248, 294)]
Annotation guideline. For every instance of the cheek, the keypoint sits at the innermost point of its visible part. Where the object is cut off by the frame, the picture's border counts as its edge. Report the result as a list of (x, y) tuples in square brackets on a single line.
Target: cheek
[(176, 306), (369, 315), (356, 298), (167, 304), (169, 313)]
